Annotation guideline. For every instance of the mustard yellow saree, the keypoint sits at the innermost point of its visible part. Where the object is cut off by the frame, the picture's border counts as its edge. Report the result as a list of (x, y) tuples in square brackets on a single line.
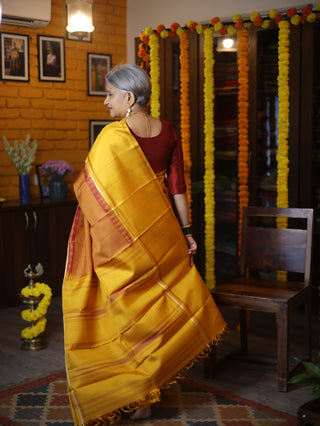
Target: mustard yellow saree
[(135, 312)]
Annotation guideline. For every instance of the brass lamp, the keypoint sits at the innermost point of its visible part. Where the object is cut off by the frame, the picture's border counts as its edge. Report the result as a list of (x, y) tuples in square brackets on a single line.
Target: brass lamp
[(79, 17)]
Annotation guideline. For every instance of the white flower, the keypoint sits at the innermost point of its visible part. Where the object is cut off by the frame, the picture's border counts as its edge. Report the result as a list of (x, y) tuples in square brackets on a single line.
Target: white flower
[(23, 155)]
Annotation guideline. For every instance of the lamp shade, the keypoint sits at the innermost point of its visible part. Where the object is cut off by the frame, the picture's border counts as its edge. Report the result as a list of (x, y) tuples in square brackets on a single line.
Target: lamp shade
[(79, 16)]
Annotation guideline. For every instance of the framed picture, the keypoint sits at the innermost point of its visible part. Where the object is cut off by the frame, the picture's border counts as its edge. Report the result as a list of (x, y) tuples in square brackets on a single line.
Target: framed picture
[(95, 127), (87, 38), (43, 181), (51, 58), (99, 66), (14, 57)]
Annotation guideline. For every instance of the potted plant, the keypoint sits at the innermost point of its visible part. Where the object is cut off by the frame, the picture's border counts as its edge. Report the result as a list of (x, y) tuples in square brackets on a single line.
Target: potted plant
[(57, 170), (22, 157), (310, 411)]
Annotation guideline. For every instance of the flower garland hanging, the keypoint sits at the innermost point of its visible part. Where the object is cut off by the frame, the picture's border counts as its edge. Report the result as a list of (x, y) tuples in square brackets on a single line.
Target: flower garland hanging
[(37, 317), (283, 124), (185, 108), (243, 105), (209, 175), (283, 116), (154, 76)]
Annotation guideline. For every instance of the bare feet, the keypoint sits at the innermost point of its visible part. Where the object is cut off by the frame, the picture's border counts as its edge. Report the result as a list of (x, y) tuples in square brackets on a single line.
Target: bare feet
[(141, 413)]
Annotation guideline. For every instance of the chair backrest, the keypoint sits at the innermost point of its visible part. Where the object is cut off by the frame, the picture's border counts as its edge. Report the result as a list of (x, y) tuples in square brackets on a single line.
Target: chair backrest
[(265, 246)]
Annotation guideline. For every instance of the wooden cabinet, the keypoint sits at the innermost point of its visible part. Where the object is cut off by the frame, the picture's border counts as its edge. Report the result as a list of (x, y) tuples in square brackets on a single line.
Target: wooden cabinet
[(31, 234)]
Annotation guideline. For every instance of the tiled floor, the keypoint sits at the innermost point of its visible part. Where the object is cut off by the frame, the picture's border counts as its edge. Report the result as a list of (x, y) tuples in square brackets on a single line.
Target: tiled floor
[(253, 378)]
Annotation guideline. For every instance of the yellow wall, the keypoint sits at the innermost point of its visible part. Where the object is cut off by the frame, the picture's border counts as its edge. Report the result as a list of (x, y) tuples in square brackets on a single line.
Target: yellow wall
[(57, 114)]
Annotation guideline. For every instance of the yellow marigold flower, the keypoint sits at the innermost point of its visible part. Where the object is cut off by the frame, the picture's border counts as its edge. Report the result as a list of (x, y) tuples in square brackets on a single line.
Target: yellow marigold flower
[(295, 20), (164, 34), (284, 24), (253, 16), (231, 30), (180, 30), (318, 6), (265, 23), (217, 26), (247, 25), (311, 18), (199, 29), (236, 17), (148, 31), (273, 13)]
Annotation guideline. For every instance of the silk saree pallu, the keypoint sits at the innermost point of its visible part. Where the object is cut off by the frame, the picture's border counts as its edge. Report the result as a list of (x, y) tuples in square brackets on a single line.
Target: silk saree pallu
[(135, 312)]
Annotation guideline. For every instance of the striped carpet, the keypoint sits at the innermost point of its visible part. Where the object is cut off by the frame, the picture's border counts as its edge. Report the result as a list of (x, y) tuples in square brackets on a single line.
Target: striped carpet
[(44, 402)]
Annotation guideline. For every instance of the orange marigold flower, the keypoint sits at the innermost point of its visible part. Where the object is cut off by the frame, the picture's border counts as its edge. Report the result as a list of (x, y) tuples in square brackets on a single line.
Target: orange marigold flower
[(142, 53), (278, 18), (144, 37), (174, 27), (239, 24), (291, 12), (160, 28), (223, 30), (257, 21), (303, 19), (193, 26), (306, 10), (214, 20)]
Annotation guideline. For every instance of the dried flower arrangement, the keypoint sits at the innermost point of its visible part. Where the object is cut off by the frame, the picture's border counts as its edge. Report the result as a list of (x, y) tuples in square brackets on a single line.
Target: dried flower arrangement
[(23, 155)]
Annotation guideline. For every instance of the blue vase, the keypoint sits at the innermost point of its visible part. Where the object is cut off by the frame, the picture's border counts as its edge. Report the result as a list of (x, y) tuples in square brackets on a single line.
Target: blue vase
[(58, 188), (24, 189)]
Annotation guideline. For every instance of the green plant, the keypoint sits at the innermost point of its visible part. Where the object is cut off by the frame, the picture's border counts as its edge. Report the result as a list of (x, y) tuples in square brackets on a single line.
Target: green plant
[(311, 377), (23, 155)]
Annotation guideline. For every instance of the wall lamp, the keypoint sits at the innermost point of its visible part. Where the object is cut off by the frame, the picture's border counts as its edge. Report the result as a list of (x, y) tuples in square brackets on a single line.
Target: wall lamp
[(79, 17)]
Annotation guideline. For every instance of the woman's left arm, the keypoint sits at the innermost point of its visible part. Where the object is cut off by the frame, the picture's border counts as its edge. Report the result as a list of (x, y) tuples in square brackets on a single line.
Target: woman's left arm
[(182, 211)]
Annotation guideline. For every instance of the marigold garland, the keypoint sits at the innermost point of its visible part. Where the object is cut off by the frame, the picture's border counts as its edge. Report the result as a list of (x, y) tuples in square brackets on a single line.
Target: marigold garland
[(209, 175), (37, 317), (283, 115), (283, 124), (243, 105), (154, 76), (293, 16), (185, 109)]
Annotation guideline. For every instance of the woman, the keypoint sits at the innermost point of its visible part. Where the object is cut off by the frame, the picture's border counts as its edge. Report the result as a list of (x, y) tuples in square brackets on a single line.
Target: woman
[(136, 311)]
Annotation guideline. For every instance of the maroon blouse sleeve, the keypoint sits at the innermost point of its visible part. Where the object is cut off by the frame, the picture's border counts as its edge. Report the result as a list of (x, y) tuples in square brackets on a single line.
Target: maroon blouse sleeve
[(175, 172)]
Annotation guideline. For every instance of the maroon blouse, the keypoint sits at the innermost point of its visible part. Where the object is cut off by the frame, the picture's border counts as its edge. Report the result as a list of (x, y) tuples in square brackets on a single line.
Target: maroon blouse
[(164, 152)]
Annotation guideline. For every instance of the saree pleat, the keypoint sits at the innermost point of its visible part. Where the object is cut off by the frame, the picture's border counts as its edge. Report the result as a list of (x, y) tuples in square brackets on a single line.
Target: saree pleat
[(135, 312)]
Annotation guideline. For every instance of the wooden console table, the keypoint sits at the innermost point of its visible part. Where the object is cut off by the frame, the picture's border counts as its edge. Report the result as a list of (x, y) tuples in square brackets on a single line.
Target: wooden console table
[(29, 234)]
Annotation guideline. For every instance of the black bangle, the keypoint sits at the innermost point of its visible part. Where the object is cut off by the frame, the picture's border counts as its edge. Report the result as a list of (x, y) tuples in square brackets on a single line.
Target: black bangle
[(186, 230)]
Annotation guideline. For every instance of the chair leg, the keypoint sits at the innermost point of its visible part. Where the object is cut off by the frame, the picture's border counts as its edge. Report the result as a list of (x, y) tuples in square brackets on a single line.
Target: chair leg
[(243, 331), (282, 349)]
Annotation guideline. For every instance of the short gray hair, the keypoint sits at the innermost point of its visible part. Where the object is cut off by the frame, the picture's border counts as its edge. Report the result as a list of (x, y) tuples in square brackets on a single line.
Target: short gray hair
[(131, 78)]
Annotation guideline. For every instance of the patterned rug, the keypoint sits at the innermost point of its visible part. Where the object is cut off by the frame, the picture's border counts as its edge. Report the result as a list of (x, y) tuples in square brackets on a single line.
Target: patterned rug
[(44, 402)]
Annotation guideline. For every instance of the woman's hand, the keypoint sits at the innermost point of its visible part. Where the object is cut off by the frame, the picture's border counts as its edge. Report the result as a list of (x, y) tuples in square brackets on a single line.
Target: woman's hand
[(192, 247)]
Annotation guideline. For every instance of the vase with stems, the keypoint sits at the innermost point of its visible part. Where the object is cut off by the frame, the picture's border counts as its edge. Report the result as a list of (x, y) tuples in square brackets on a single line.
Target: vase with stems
[(22, 157), (24, 189)]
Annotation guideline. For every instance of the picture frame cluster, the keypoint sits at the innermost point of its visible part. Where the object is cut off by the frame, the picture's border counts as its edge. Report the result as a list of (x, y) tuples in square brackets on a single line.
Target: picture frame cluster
[(14, 61)]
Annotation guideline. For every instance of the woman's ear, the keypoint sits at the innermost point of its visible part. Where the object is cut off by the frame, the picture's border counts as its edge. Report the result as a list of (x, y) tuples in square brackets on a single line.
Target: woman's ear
[(131, 99)]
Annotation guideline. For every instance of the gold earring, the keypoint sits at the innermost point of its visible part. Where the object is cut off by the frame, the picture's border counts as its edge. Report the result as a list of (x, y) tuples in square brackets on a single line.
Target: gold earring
[(129, 112)]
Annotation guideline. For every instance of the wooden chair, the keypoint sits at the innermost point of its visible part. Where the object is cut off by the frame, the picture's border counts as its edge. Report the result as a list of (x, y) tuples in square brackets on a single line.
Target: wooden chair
[(265, 247)]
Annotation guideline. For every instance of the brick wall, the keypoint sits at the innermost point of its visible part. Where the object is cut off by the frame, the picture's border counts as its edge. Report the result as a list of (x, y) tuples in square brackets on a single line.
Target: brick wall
[(57, 114)]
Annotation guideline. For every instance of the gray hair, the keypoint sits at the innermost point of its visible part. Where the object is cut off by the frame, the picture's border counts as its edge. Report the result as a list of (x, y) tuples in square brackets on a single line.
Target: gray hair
[(131, 78)]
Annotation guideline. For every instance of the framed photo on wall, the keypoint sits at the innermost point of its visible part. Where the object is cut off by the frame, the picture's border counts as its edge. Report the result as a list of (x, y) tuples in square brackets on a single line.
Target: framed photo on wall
[(95, 127), (14, 57), (99, 66), (51, 58)]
